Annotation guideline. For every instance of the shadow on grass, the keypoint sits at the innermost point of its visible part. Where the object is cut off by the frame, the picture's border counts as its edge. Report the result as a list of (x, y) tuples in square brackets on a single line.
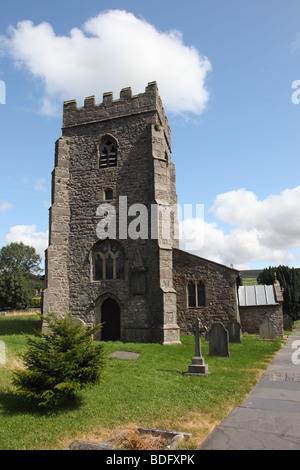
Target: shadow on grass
[(12, 404), (20, 326), (173, 372)]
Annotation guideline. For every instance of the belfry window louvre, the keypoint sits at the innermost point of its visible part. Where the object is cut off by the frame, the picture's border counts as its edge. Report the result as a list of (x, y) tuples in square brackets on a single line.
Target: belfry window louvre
[(195, 294), (108, 153)]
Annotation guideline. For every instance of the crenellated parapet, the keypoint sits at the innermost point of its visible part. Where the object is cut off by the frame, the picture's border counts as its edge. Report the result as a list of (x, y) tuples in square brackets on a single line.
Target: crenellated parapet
[(111, 108)]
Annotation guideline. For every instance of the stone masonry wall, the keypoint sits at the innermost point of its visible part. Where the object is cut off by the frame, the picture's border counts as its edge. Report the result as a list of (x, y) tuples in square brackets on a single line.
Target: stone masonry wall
[(220, 291), (251, 318), (56, 294)]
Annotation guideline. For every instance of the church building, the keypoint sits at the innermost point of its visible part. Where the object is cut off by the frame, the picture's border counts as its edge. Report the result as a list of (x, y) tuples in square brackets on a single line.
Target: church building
[(113, 254)]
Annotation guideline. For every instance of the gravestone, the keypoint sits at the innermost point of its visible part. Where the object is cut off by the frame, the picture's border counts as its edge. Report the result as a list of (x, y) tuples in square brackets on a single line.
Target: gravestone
[(266, 329), (287, 322), (124, 355), (78, 321), (206, 335), (218, 338), (198, 366), (2, 314), (234, 331)]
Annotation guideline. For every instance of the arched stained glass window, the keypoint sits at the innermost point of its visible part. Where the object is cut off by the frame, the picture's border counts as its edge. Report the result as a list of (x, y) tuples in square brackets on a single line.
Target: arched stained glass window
[(108, 261)]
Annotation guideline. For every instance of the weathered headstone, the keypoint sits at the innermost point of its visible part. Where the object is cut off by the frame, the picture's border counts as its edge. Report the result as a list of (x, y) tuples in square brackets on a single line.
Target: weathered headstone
[(234, 331), (218, 338), (79, 321), (287, 322), (84, 445), (198, 366), (206, 336), (2, 314), (266, 329), (124, 355)]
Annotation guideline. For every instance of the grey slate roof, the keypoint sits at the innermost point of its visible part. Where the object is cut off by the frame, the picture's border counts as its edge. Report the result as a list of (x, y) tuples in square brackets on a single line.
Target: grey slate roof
[(257, 295)]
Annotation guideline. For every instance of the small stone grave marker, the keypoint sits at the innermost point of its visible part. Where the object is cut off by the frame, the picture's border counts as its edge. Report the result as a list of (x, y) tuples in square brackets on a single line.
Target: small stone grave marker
[(234, 331), (266, 329), (218, 338), (124, 355), (287, 322)]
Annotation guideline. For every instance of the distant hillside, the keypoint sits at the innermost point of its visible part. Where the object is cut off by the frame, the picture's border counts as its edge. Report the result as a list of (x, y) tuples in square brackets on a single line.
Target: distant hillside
[(251, 272), (249, 276)]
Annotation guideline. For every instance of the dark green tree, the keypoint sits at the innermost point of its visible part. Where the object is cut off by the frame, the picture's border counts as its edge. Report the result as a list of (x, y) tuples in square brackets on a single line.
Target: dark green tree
[(289, 279), (18, 265), (60, 362), (15, 291)]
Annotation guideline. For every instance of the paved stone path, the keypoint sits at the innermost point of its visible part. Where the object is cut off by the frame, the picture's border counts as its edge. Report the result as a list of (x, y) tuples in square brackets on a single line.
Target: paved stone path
[(269, 418)]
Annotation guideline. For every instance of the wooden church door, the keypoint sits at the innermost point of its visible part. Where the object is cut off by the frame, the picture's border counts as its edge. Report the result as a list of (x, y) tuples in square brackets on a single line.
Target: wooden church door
[(110, 317)]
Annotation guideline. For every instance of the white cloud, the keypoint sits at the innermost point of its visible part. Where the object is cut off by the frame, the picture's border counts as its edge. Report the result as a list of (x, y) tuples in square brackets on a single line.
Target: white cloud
[(276, 218), (295, 45), (259, 230), (111, 51), (5, 206), (29, 236), (40, 185)]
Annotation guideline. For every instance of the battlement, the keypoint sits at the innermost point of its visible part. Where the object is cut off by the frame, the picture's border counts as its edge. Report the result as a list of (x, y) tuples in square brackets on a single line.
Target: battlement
[(126, 105)]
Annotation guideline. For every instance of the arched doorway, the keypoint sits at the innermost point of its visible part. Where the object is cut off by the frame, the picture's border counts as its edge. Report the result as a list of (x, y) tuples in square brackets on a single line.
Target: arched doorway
[(110, 318)]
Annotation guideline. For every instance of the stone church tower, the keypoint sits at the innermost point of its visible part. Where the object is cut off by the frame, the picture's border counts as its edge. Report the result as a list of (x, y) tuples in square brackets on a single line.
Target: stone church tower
[(107, 259)]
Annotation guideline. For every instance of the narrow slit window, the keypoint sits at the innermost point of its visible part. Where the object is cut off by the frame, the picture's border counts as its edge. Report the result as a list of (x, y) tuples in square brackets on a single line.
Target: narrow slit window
[(108, 195)]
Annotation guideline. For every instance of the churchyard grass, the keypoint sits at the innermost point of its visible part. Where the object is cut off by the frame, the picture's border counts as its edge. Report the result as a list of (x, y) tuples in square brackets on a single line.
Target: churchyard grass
[(149, 391), (250, 281)]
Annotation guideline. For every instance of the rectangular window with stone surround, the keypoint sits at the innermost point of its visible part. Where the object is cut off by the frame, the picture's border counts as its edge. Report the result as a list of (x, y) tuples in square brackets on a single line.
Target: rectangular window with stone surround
[(195, 294)]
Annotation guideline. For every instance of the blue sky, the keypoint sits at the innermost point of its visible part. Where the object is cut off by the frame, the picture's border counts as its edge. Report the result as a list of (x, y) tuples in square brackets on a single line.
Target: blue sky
[(224, 71)]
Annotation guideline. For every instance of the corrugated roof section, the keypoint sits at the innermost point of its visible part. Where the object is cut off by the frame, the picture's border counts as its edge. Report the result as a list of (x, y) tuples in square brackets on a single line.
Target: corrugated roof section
[(257, 295)]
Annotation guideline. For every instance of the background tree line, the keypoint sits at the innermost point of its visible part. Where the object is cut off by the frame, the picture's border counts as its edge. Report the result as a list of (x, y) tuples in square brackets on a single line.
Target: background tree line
[(19, 276), (289, 279)]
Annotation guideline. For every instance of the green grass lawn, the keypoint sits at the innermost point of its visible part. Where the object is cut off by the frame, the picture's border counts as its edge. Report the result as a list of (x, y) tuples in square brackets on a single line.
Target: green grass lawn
[(150, 391), (250, 281)]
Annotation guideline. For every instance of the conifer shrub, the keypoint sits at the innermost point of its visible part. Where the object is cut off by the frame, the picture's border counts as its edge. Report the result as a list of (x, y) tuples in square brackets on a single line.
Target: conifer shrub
[(60, 362), (36, 302)]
